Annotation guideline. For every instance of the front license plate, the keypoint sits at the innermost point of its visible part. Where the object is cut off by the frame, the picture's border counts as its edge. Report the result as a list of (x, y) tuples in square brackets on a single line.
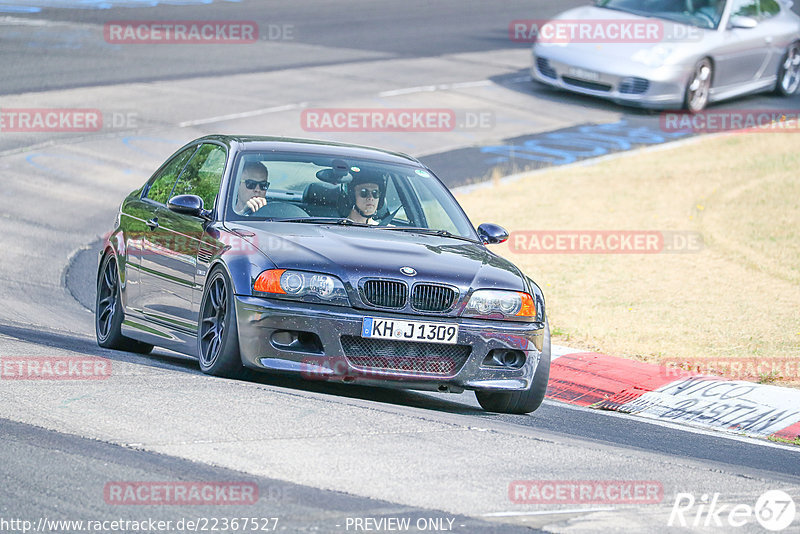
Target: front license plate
[(584, 74), (378, 328)]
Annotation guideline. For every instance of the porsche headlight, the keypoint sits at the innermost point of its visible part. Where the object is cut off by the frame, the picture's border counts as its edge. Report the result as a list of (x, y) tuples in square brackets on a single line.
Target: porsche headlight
[(652, 57), (301, 285), (505, 305)]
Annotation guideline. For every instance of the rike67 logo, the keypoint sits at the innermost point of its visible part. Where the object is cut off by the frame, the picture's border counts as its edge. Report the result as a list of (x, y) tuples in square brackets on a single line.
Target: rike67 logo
[(774, 510)]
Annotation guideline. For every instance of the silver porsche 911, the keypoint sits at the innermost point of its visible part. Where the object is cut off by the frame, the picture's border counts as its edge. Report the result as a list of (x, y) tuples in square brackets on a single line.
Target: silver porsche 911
[(671, 54)]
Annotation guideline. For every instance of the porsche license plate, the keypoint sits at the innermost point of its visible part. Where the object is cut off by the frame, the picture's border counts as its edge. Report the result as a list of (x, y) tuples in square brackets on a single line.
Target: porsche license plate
[(378, 328), (584, 74)]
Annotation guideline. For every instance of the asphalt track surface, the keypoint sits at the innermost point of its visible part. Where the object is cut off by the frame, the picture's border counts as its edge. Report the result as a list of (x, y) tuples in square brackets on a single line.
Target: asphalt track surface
[(319, 453)]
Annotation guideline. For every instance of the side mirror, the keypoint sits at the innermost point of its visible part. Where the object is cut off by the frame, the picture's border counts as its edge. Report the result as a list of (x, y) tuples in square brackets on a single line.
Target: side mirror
[(747, 23), (188, 205), (492, 234)]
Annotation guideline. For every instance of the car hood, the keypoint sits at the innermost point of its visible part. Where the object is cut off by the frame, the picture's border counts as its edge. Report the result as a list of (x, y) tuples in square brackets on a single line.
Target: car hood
[(622, 50), (353, 253)]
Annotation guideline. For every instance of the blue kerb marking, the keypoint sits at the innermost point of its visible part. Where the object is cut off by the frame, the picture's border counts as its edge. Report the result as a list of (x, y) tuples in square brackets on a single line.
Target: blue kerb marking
[(367, 328), (562, 148), (10, 6), (19, 9)]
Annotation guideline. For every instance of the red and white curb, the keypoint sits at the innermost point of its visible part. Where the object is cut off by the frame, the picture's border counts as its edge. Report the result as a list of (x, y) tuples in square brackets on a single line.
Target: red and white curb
[(665, 394)]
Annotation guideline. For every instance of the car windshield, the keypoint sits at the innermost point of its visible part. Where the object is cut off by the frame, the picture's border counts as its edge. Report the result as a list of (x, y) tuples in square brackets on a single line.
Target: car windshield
[(701, 13), (314, 189)]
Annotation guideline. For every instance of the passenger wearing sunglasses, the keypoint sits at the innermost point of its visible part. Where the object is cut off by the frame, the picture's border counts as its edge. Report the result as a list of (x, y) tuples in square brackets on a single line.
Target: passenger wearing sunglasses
[(252, 191), (367, 190)]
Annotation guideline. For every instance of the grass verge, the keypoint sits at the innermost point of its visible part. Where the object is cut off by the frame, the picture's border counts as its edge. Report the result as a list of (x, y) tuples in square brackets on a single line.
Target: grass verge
[(737, 296)]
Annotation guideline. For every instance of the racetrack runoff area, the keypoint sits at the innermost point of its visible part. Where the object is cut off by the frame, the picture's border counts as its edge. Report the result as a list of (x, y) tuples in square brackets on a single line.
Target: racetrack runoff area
[(688, 255)]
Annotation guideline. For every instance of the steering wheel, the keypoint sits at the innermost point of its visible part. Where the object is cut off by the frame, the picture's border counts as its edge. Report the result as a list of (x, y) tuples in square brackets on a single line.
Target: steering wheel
[(703, 15)]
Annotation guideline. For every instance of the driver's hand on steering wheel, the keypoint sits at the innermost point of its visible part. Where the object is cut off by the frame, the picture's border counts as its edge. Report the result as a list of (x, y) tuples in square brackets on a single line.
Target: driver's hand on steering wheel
[(256, 203)]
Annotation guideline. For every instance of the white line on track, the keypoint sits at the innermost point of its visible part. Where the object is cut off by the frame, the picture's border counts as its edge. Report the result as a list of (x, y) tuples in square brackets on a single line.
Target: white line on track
[(549, 512), (432, 88), (289, 107), (243, 115)]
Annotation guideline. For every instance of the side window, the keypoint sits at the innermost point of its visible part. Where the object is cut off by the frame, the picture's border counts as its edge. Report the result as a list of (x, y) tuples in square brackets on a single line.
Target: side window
[(161, 186), (203, 175), (770, 8), (746, 8)]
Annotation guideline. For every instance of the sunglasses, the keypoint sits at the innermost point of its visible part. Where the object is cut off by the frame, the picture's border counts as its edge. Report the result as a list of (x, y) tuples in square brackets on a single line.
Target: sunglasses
[(252, 184), (364, 193)]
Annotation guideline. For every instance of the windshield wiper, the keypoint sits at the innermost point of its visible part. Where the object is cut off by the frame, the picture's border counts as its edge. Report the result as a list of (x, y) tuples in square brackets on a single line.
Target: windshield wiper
[(344, 221), (631, 11), (429, 231)]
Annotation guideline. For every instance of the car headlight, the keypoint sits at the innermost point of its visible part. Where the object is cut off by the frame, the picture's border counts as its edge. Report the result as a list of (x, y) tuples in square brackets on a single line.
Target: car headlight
[(301, 285), (505, 305), (652, 57)]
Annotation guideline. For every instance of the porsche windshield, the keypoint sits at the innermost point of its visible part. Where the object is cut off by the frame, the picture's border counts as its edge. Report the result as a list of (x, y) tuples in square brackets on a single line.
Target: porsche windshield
[(313, 189), (701, 13)]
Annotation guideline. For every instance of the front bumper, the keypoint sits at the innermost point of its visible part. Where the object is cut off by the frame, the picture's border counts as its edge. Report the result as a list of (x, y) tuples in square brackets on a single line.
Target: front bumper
[(626, 82), (320, 354)]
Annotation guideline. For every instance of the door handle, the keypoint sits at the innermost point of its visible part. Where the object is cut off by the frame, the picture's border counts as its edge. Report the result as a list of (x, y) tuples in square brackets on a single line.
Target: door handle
[(152, 223)]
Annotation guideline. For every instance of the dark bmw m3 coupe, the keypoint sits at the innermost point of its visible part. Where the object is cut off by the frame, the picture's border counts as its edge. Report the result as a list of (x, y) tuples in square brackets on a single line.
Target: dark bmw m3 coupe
[(328, 261)]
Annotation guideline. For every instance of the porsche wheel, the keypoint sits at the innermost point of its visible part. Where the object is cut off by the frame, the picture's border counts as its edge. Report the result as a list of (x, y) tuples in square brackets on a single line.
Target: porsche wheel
[(698, 90), (789, 71)]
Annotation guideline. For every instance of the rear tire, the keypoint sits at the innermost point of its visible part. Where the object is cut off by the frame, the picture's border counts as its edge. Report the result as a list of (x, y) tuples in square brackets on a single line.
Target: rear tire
[(789, 71), (109, 313), (217, 332), (521, 402)]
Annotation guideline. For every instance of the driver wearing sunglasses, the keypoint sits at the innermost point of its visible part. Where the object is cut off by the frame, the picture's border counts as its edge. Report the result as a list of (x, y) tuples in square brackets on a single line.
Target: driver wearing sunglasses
[(252, 191), (367, 197)]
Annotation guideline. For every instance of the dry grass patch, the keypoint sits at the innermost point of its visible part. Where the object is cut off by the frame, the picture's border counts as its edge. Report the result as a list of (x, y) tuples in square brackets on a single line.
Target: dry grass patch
[(739, 297)]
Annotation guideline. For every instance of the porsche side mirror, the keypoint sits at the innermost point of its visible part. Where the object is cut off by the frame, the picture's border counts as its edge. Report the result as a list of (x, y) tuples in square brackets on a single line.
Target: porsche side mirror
[(188, 205), (492, 234), (747, 23)]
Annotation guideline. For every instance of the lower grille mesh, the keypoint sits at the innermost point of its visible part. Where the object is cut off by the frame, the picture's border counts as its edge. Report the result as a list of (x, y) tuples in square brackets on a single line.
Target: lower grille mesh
[(405, 356), (594, 86)]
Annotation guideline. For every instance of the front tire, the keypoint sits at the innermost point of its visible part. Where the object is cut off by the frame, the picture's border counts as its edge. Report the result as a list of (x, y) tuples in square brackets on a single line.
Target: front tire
[(108, 311), (217, 333), (698, 90), (521, 402), (789, 71)]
